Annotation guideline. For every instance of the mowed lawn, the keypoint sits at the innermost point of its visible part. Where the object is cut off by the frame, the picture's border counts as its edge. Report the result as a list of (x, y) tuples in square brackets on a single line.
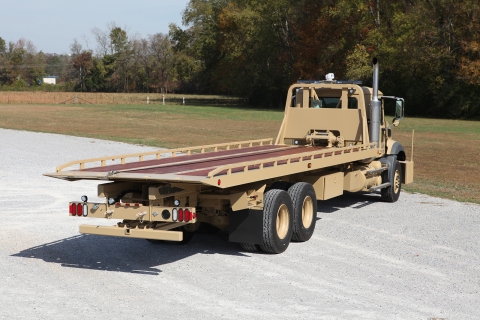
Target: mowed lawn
[(446, 152)]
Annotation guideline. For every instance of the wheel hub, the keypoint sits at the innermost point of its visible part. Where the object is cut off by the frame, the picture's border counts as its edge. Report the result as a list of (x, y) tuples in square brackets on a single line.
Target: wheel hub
[(282, 221), (396, 182), (307, 212)]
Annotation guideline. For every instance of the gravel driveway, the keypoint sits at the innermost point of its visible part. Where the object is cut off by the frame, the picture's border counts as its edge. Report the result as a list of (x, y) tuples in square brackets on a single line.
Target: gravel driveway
[(416, 259)]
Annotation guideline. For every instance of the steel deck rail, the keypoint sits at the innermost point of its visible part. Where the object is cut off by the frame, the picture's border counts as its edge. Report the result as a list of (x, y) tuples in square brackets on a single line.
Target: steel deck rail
[(247, 172), (174, 152)]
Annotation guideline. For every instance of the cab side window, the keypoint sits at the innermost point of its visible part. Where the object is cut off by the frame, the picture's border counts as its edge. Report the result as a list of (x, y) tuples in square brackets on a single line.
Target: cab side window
[(352, 103)]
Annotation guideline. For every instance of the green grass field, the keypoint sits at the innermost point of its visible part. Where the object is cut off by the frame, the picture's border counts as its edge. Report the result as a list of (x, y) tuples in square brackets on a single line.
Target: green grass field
[(446, 152)]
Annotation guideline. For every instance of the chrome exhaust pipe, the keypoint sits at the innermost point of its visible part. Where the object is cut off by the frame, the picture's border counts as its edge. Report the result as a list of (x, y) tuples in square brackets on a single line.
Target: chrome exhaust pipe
[(375, 107)]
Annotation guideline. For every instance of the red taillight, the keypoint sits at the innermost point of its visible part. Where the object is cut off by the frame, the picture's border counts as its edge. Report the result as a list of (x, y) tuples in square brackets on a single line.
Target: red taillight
[(79, 209), (73, 209), (180, 215), (194, 216), (188, 215)]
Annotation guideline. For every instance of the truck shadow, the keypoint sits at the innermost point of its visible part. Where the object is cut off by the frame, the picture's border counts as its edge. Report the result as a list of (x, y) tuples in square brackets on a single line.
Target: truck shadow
[(127, 255), (143, 257), (355, 200)]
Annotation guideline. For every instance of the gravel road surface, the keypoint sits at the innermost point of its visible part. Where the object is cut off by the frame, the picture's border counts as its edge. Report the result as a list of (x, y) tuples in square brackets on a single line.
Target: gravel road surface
[(416, 259)]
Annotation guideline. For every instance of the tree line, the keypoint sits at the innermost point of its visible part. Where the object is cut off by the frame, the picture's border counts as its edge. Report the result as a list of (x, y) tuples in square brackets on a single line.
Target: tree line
[(119, 64), (429, 52)]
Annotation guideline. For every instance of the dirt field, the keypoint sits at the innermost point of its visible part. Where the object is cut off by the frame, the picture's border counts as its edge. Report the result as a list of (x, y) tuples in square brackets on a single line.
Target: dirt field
[(161, 126)]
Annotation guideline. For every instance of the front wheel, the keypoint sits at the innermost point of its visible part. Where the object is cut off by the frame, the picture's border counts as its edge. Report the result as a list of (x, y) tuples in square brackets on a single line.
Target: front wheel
[(394, 176), (277, 221)]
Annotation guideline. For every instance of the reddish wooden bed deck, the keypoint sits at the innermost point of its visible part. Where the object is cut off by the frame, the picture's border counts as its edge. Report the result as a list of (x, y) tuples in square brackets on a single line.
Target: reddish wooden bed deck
[(202, 163)]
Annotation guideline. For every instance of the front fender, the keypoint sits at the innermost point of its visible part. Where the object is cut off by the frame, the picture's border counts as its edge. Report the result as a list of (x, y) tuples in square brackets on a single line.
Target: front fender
[(396, 148)]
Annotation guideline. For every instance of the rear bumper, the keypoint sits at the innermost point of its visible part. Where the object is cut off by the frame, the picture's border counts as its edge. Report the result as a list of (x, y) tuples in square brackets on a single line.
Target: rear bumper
[(132, 232)]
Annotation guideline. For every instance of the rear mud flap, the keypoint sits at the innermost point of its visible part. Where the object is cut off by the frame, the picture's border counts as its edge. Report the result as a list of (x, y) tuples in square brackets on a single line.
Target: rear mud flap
[(246, 226)]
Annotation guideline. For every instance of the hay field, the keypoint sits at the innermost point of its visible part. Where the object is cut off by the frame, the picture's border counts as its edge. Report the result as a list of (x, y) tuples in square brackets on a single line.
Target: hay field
[(40, 97)]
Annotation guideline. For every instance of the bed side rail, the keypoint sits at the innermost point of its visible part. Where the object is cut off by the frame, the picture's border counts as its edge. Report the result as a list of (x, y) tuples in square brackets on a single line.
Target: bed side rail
[(122, 159)]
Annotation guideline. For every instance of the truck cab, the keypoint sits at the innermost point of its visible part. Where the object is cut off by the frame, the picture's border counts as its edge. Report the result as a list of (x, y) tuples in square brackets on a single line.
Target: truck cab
[(336, 114)]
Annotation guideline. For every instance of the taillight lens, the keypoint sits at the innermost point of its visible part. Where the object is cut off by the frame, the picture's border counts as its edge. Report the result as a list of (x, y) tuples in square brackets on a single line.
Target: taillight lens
[(188, 215), (79, 209), (180, 215), (174, 214), (73, 209)]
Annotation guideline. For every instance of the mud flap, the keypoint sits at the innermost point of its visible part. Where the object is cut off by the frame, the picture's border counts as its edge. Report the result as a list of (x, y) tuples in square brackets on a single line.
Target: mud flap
[(246, 226), (407, 171)]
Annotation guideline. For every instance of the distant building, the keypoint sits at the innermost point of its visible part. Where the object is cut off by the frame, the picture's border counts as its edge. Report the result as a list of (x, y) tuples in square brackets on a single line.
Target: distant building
[(50, 79)]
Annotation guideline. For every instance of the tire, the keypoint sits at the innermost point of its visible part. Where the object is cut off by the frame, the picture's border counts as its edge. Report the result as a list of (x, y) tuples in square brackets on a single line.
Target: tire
[(394, 176), (277, 221), (250, 247), (304, 211), (281, 185)]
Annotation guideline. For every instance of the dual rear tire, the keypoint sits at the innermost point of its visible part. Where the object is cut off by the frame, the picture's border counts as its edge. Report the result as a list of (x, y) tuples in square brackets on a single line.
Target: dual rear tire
[(287, 216), (304, 209), (277, 221)]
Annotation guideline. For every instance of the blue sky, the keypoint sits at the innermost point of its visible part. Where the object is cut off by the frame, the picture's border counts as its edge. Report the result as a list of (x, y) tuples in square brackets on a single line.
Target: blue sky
[(53, 24)]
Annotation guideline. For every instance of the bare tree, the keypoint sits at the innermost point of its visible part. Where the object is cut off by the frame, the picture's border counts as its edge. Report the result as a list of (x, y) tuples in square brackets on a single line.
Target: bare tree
[(102, 41), (162, 54), (75, 47)]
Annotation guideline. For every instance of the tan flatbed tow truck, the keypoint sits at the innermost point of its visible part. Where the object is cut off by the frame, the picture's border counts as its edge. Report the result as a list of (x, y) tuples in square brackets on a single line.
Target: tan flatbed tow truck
[(334, 138)]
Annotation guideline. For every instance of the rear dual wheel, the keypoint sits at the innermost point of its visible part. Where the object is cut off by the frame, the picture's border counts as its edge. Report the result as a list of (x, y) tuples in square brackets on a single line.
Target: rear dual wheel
[(287, 216), (277, 221), (304, 203)]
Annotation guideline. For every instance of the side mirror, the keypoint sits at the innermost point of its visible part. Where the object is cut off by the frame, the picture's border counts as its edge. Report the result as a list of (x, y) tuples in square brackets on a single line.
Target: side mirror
[(399, 111), (389, 108)]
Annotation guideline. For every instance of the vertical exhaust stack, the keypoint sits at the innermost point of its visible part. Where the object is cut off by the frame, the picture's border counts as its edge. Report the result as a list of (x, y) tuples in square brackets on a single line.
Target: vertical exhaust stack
[(375, 107)]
